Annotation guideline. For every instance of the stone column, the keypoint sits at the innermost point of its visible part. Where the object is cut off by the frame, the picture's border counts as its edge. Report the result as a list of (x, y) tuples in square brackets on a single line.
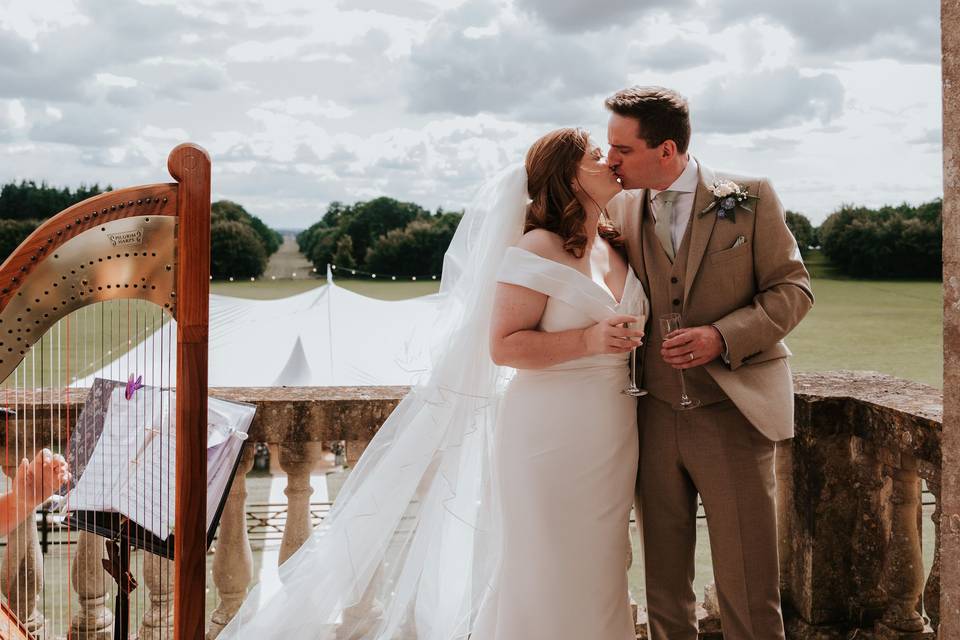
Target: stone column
[(950, 479), (233, 559), (297, 459), (157, 621), (93, 620), (904, 573), (22, 578)]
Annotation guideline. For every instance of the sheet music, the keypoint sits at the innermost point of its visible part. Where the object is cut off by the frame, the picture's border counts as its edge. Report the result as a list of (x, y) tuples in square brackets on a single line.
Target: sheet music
[(132, 467), (131, 470)]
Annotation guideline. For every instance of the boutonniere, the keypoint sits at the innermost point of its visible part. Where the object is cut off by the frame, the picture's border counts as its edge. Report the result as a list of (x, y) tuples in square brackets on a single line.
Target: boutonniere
[(727, 196)]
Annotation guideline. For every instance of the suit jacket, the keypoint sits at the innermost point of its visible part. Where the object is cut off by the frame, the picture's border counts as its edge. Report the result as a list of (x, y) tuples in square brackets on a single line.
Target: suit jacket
[(754, 293)]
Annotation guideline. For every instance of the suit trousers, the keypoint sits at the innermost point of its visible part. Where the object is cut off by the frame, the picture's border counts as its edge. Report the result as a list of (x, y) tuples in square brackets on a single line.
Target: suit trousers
[(715, 452)]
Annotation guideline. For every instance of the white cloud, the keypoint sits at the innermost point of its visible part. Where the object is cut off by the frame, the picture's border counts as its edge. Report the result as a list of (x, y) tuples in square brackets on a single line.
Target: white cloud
[(768, 100), (303, 102), (309, 106)]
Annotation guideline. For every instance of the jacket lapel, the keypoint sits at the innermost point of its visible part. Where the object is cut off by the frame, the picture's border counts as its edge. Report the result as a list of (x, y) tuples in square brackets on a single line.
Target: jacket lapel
[(702, 228)]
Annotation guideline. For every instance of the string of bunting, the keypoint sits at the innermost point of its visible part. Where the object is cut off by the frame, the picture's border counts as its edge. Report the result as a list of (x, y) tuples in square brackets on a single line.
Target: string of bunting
[(351, 273)]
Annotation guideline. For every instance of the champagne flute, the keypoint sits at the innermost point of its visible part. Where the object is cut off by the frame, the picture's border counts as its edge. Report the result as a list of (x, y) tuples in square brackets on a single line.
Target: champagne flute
[(668, 324), (632, 389)]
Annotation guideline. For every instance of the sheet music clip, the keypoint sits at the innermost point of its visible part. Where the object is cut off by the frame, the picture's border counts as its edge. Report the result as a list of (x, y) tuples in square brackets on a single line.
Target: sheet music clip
[(132, 386)]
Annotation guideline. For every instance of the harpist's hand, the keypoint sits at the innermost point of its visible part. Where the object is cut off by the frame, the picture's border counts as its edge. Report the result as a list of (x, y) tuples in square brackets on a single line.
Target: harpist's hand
[(37, 480)]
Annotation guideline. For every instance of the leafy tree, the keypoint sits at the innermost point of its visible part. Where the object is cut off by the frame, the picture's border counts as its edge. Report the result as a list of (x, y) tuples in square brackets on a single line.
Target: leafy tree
[(229, 210), (890, 242), (343, 257), (363, 223), (235, 250), (372, 219), (12, 233), (417, 249), (802, 230)]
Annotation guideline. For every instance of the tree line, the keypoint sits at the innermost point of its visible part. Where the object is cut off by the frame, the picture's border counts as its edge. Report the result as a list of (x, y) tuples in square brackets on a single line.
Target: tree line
[(240, 242), (382, 235), (902, 241)]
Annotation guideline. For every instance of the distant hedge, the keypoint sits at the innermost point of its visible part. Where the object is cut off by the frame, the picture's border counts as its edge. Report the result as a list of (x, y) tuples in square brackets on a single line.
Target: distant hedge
[(891, 242)]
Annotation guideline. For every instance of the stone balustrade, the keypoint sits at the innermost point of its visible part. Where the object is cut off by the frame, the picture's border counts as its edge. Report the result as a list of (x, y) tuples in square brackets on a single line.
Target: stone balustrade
[(849, 509)]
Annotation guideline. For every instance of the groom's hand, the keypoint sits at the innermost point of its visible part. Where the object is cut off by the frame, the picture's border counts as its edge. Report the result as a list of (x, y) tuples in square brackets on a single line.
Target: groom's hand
[(705, 343)]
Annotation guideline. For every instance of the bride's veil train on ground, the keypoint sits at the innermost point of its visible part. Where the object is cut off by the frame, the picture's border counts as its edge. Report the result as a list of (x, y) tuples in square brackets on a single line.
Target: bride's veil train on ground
[(411, 544)]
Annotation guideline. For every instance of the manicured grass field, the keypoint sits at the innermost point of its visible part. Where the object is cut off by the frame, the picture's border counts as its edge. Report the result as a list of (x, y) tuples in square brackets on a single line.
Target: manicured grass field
[(895, 327)]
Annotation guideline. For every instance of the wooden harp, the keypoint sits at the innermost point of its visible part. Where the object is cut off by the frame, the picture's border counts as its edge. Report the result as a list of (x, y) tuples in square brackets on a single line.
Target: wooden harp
[(87, 285)]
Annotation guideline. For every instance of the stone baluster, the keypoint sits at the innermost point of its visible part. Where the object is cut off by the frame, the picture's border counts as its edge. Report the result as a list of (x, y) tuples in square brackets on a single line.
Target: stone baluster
[(22, 578), (868, 600), (904, 573), (297, 459), (93, 620), (931, 592), (157, 621), (233, 559)]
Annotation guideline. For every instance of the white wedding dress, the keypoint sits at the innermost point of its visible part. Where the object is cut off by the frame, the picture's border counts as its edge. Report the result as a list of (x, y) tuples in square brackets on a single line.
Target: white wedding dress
[(566, 446), (491, 504)]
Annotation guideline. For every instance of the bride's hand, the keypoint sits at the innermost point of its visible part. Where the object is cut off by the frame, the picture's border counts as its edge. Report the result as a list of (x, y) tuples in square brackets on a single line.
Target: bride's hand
[(610, 336)]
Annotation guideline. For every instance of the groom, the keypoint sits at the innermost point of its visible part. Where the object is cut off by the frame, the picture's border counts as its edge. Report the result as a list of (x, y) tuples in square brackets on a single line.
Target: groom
[(733, 272)]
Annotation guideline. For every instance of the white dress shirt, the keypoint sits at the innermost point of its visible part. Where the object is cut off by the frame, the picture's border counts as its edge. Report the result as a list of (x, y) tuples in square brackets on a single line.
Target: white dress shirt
[(686, 187)]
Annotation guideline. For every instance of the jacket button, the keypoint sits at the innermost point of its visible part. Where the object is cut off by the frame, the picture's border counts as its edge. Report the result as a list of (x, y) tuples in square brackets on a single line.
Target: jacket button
[(676, 302), (674, 280)]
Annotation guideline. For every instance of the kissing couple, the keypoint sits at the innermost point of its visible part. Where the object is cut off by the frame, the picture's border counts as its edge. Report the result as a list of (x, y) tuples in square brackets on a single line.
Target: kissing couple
[(494, 502)]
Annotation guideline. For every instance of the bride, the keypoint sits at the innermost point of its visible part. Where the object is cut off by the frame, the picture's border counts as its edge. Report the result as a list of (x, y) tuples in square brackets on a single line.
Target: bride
[(493, 502)]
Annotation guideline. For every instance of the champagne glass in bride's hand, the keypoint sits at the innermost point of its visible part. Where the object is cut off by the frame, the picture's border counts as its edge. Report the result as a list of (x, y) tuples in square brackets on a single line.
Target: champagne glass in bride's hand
[(632, 389), (668, 324)]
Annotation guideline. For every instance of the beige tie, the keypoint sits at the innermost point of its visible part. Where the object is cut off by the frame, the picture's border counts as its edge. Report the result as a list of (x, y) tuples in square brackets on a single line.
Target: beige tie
[(665, 221)]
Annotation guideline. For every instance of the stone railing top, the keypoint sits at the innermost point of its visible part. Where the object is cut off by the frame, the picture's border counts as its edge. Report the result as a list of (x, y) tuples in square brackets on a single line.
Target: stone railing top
[(895, 417), (874, 388)]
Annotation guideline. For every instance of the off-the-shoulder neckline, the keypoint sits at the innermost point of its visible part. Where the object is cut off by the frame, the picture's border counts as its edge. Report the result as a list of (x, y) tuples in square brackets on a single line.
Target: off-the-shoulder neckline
[(603, 287)]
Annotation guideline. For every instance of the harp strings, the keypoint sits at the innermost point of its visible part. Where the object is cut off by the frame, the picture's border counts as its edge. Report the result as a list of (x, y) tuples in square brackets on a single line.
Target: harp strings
[(116, 338)]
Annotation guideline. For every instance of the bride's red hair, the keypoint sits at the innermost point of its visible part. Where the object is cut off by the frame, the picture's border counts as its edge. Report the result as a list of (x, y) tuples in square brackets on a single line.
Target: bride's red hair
[(551, 169)]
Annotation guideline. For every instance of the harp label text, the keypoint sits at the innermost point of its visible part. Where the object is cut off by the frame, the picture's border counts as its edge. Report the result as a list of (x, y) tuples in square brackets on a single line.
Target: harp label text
[(134, 236)]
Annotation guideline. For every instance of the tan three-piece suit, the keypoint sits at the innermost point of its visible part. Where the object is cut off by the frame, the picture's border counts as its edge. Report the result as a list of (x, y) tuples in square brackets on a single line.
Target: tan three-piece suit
[(755, 290)]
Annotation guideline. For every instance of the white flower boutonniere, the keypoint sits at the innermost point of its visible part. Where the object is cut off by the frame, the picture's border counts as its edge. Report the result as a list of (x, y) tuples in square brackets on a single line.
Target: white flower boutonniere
[(727, 196)]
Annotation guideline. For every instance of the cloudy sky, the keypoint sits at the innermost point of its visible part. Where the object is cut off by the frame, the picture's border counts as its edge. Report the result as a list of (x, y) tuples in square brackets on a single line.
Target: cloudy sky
[(302, 102)]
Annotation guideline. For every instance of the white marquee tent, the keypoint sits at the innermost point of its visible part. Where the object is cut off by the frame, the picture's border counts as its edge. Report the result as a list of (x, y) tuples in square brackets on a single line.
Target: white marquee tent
[(328, 336)]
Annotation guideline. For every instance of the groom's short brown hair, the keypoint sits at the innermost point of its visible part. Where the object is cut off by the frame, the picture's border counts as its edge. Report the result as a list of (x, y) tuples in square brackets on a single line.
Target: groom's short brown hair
[(661, 113)]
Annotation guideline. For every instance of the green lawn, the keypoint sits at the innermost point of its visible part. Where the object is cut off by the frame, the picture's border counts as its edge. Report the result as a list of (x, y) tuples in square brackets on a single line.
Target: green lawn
[(895, 327)]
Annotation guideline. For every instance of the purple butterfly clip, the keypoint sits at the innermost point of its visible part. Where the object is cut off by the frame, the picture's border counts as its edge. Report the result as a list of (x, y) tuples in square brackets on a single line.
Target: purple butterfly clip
[(133, 385)]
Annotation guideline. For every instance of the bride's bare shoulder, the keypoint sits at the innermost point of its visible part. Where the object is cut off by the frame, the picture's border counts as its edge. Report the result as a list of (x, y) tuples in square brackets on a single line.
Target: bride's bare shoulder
[(545, 244)]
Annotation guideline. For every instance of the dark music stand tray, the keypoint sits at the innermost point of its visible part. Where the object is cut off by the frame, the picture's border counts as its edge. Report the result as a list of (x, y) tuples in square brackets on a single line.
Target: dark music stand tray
[(122, 534)]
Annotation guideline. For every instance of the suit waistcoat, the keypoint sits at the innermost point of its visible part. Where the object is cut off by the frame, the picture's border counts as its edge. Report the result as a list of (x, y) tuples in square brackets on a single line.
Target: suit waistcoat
[(666, 283)]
